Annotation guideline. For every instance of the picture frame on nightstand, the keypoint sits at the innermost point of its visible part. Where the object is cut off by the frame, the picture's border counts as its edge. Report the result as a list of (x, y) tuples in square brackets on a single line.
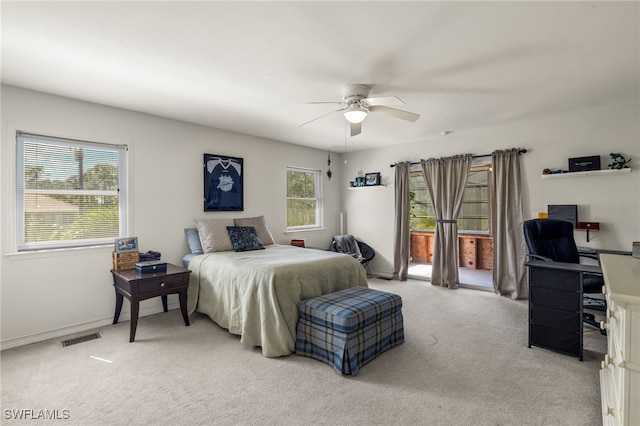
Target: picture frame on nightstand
[(125, 245)]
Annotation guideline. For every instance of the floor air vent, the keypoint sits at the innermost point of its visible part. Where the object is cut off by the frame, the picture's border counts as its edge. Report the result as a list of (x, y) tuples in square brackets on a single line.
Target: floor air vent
[(80, 339)]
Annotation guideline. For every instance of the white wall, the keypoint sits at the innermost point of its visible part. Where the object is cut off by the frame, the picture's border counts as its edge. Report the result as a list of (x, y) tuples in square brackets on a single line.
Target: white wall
[(612, 200), (58, 292), (52, 294)]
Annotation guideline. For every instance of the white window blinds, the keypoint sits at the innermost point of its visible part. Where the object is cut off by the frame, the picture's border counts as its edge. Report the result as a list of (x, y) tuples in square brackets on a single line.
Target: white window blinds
[(70, 193)]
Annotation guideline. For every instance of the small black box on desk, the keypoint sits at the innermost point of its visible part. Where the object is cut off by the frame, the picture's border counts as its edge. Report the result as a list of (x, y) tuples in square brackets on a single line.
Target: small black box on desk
[(151, 267), (583, 164)]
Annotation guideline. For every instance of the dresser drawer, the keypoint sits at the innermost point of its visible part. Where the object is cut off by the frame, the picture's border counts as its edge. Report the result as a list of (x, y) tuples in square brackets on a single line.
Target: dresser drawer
[(610, 413), (621, 385), (622, 325), (615, 318), (620, 376), (616, 378), (631, 397), (163, 283)]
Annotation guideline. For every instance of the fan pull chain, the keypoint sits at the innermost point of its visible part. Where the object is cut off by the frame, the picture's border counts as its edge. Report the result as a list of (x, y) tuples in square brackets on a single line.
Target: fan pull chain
[(345, 143)]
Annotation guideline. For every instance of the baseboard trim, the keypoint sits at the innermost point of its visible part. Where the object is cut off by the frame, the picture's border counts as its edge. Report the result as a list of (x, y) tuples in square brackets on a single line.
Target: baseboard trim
[(79, 328), (383, 275)]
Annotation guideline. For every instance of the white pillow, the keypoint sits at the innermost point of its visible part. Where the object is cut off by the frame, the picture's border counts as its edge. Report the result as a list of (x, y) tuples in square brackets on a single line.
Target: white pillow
[(214, 235)]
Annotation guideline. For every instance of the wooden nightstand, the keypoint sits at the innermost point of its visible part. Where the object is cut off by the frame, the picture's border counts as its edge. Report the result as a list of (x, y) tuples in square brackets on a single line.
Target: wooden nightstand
[(136, 287)]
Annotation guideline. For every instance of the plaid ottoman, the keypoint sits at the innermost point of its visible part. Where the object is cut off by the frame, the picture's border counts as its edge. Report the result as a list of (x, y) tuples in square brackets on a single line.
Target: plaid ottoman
[(350, 327)]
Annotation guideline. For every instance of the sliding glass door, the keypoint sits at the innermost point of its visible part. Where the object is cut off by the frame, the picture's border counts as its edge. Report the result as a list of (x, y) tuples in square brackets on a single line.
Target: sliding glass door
[(474, 228)]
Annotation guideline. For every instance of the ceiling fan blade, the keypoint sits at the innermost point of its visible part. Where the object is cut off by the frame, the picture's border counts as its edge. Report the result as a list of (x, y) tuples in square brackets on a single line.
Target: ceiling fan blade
[(356, 129), (382, 100), (397, 113), (325, 102), (322, 116)]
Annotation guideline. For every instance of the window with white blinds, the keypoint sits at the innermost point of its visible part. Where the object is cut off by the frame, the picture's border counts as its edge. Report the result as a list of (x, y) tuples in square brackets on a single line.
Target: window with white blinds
[(70, 193), (304, 199)]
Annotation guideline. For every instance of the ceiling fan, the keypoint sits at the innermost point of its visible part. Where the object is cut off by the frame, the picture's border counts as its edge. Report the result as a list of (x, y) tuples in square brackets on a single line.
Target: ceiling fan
[(356, 104)]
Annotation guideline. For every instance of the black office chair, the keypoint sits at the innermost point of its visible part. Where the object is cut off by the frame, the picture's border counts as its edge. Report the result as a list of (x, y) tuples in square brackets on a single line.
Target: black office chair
[(345, 244), (552, 240)]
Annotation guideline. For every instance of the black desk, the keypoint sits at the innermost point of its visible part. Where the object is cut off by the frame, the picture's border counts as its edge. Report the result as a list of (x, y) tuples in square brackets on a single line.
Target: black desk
[(555, 305), (620, 252)]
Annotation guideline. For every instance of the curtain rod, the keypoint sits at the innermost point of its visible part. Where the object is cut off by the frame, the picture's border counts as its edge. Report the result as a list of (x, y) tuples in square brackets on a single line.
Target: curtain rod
[(520, 152)]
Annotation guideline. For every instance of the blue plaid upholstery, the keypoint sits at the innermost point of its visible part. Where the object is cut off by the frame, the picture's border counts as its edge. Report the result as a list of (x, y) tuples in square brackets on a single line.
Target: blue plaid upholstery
[(349, 328)]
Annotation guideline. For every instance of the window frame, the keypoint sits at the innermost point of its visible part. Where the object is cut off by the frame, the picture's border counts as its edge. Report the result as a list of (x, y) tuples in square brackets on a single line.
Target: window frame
[(474, 168), (317, 173), (20, 191)]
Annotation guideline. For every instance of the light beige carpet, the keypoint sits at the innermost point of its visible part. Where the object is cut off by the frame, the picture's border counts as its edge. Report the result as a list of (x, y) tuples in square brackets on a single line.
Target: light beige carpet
[(465, 361)]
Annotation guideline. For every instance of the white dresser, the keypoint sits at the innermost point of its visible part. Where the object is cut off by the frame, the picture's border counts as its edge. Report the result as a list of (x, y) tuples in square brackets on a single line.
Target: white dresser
[(620, 373)]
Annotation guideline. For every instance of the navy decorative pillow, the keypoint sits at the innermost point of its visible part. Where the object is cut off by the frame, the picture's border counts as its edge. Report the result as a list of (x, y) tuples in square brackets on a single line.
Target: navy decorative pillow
[(244, 238)]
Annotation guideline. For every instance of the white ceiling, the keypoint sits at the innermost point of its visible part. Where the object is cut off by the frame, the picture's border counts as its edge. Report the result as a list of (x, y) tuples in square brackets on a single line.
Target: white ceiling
[(252, 67)]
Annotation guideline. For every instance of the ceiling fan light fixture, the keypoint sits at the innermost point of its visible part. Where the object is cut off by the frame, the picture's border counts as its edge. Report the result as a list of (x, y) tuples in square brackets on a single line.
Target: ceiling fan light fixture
[(355, 113)]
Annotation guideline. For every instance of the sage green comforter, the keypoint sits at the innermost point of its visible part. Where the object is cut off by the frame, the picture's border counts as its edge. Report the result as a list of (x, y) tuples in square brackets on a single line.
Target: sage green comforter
[(255, 294)]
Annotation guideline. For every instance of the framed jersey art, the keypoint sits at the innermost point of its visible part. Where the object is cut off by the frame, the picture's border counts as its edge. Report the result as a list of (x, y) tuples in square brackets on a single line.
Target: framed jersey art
[(223, 183)]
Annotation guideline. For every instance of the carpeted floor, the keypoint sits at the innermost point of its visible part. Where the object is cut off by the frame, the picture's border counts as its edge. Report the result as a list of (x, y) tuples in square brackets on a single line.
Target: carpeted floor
[(465, 361)]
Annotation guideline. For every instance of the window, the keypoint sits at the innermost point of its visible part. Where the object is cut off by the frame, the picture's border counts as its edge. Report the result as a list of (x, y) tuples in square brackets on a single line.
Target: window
[(423, 217), (474, 214), (70, 193), (304, 198)]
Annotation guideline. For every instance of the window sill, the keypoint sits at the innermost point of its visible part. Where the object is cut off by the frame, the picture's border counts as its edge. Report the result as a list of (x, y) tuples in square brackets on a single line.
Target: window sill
[(48, 253), (299, 231)]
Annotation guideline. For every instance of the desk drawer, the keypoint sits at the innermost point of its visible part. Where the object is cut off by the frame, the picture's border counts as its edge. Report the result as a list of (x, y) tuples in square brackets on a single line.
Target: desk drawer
[(555, 299), (553, 318), (163, 283), (555, 279), (559, 340)]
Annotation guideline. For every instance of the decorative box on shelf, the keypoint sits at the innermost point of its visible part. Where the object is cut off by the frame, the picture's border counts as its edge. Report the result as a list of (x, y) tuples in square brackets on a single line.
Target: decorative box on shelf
[(584, 164), (126, 260)]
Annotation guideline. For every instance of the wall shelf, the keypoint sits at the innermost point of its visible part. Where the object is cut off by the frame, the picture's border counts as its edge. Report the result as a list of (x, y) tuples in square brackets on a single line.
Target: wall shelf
[(368, 187), (587, 173)]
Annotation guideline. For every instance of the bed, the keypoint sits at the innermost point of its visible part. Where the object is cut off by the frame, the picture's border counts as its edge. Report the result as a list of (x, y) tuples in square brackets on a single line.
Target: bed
[(255, 293)]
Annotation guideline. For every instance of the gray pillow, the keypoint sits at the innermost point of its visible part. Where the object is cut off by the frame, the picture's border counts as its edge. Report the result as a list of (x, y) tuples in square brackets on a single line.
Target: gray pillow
[(193, 240)]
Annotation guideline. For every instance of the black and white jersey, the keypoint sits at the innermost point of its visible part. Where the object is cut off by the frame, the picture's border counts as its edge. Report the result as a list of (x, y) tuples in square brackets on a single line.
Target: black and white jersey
[(225, 184)]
